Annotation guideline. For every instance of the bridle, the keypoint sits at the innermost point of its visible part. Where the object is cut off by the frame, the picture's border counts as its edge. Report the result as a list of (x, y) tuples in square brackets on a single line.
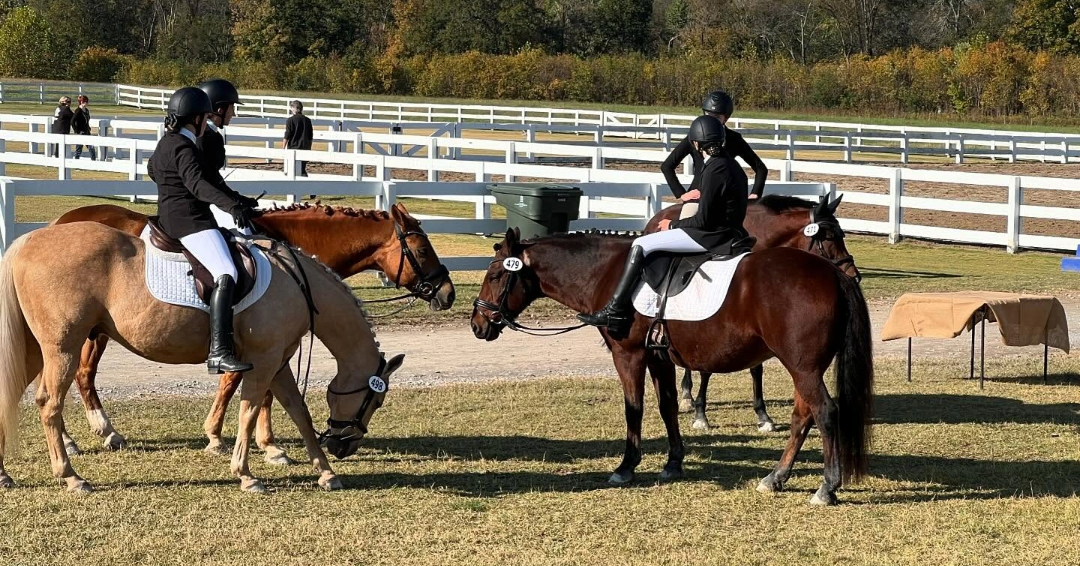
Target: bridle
[(502, 318), (356, 425), (821, 234), (428, 284)]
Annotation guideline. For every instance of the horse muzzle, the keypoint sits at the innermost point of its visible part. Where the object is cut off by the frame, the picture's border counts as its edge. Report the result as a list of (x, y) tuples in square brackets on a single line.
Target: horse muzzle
[(342, 449), (444, 297)]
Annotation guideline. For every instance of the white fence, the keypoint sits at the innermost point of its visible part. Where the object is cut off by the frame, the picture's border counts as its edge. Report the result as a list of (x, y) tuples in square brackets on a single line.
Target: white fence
[(784, 135), (439, 158)]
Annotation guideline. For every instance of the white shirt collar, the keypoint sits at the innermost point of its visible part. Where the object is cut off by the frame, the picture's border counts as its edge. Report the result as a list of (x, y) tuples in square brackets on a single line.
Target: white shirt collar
[(211, 126), (188, 134)]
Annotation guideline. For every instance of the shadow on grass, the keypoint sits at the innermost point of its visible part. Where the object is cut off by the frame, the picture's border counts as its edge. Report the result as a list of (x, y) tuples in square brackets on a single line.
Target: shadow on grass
[(880, 273), (977, 409)]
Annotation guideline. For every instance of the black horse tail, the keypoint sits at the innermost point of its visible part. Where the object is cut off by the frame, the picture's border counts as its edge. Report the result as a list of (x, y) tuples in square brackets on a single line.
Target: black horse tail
[(855, 382)]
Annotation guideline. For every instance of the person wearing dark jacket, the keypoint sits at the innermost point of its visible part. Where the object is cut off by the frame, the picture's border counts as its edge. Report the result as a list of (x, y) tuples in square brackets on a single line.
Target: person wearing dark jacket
[(298, 132), (184, 199), (80, 125), (719, 105), (718, 221), (61, 122), (224, 99)]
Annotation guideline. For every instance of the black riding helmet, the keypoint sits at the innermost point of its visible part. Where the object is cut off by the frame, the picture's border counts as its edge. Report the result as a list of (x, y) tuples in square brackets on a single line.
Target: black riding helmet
[(221, 92), (718, 102), (185, 105), (707, 131)]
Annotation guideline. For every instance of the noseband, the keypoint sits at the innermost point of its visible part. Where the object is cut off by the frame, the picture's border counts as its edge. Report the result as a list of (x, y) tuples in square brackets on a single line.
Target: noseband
[(501, 317), (357, 423), (428, 284)]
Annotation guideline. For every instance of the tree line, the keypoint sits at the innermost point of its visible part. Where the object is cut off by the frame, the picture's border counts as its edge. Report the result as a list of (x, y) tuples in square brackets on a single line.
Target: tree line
[(885, 55)]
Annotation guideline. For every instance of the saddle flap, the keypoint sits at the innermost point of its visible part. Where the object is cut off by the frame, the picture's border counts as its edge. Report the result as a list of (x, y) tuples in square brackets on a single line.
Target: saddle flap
[(160, 240), (674, 272)]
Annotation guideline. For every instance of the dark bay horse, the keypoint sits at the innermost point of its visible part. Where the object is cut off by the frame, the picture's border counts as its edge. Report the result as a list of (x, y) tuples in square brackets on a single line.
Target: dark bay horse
[(818, 314), (348, 241), (776, 221)]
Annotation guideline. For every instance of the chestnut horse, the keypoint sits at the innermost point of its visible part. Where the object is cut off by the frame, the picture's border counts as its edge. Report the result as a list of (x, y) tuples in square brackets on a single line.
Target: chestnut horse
[(816, 315), (61, 284), (348, 241), (776, 221)]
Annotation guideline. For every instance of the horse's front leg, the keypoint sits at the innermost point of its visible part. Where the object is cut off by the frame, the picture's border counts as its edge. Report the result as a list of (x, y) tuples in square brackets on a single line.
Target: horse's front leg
[(765, 423), (631, 367), (686, 388), (663, 378), (284, 388), (215, 420), (90, 357), (252, 390)]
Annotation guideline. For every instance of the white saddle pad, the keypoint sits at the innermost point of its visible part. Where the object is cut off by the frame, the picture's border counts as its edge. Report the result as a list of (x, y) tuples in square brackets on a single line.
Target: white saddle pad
[(168, 280), (701, 299)]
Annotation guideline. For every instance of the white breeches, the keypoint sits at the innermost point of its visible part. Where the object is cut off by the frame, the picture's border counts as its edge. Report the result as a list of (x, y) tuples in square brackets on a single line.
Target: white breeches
[(209, 248), (675, 240)]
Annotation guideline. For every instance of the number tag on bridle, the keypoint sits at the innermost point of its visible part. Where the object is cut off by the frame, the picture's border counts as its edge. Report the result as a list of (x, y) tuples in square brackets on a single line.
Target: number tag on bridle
[(811, 230), (513, 264), (376, 384)]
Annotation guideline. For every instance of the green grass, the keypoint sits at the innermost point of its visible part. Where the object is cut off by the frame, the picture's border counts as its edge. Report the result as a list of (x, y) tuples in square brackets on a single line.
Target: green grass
[(516, 474)]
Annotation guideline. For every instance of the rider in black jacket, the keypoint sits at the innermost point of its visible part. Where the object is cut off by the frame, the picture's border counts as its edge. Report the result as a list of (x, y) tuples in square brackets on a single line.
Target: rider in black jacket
[(719, 105), (184, 199), (719, 220)]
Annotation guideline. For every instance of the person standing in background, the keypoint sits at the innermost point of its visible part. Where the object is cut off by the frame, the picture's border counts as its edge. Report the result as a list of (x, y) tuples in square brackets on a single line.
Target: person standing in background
[(298, 132), (61, 123), (80, 125)]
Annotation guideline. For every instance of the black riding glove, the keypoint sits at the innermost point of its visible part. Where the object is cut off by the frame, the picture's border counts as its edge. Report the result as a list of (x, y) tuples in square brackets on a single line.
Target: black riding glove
[(249, 202), (242, 215)]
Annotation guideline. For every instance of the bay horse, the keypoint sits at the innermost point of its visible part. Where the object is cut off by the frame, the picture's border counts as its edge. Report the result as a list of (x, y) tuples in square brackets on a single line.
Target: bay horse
[(776, 221), (61, 284), (348, 241), (818, 314)]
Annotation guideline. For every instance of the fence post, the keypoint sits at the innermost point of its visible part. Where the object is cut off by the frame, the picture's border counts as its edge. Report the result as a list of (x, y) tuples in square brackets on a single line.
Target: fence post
[(117, 91), (598, 158), (3, 148), (41, 93), (1014, 221), (382, 172), (387, 197), (896, 212), (785, 172), (1, 93), (511, 159), (1012, 150), (432, 155), (331, 145), (358, 148), (62, 153), (654, 202), (847, 147), (530, 137), (7, 210), (103, 132), (1064, 150), (790, 146), (133, 159), (904, 149), (959, 148)]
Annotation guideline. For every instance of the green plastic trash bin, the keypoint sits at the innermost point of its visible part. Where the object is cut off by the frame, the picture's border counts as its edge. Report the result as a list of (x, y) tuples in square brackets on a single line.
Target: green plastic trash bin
[(537, 209)]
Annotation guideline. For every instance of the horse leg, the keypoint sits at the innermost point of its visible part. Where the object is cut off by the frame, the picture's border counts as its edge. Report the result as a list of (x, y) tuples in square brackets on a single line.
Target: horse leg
[(92, 351), (253, 389), (825, 415), (284, 388), (765, 423), (800, 426), (227, 385), (686, 400), (264, 435), (701, 422), (663, 378), (59, 372), (631, 368)]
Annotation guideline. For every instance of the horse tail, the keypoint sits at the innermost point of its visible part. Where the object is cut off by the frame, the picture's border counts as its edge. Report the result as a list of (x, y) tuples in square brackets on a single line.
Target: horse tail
[(854, 382), (13, 336)]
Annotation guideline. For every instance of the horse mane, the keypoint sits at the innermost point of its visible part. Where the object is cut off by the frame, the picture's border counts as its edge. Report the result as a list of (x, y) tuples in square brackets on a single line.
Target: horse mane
[(335, 277), (318, 208), (615, 234), (784, 203)]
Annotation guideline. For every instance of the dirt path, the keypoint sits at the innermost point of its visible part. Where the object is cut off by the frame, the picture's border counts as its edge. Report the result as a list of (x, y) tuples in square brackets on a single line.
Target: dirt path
[(442, 356)]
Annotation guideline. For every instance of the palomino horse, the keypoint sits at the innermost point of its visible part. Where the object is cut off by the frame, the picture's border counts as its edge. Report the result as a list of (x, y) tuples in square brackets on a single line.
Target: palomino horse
[(348, 241), (776, 221), (818, 314), (61, 284)]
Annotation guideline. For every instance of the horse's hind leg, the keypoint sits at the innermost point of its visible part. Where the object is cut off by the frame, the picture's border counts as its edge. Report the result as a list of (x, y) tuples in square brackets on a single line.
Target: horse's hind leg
[(59, 372), (663, 378), (686, 387), (701, 422), (825, 415), (801, 420), (264, 435), (284, 388), (227, 385), (765, 423), (92, 351)]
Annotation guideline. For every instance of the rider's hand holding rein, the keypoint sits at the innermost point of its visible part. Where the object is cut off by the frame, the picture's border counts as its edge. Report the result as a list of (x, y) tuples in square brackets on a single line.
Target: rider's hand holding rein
[(665, 224)]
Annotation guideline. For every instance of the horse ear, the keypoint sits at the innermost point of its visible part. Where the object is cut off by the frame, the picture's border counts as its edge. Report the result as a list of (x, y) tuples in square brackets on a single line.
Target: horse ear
[(393, 365), (401, 208), (836, 203), (511, 241)]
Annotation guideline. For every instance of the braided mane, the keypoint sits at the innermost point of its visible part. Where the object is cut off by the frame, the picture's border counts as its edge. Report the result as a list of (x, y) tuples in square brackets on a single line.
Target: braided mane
[(327, 210)]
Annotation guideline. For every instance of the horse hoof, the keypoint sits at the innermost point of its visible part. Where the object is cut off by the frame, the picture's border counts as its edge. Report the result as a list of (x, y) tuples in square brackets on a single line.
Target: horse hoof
[(768, 485), (216, 450), (80, 487), (823, 500), (767, 426), (701, 424), (621, 478), (72, 449), (671, 474), (686, 405), (280, 459), (252, 486), (331, 483), (6, 482), (115, 442)]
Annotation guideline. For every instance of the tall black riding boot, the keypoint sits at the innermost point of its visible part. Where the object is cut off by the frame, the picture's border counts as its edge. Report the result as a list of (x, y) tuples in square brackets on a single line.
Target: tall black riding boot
[(617, 313), (222, 351)]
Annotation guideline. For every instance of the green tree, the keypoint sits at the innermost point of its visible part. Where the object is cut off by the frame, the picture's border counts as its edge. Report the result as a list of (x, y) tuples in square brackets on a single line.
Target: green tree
[(28, 46), (457, 26), (1047, 24)]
